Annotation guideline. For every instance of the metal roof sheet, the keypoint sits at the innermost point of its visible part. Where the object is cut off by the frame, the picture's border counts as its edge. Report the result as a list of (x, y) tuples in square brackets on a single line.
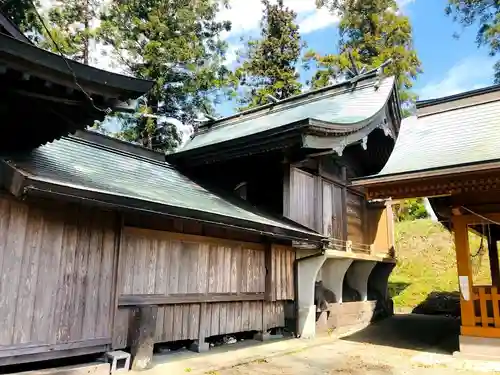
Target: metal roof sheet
[(447, 139), (342, 105), (80, 164)]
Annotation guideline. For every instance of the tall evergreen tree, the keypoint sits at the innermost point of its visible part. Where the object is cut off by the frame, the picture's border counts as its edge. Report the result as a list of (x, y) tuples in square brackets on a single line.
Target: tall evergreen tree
[(22, 13), (71, 24), (177, 44), (485, 14), (269, 64), (374, 31)]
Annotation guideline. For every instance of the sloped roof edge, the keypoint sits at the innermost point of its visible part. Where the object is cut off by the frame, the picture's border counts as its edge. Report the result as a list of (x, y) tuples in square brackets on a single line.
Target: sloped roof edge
[(39, 175), (338, 111), (59, 65), (12, 29), (460, 138)]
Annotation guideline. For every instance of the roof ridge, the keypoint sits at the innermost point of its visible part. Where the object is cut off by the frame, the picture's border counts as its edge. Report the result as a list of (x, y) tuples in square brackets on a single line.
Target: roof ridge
[(452, 109), (116, 150), (289, 103), (461, 95)]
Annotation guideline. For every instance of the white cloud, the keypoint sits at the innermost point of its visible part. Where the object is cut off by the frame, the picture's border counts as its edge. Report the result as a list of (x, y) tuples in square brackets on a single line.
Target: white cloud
[(468, 74), (403, 3), (245, 15)]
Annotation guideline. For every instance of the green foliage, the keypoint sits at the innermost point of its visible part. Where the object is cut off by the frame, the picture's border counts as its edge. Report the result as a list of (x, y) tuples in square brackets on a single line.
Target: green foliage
[(410, 209), (22, 13), (269, 63), (146, 131), (175, 43), (375, 31), (486, 15), (70, 25)]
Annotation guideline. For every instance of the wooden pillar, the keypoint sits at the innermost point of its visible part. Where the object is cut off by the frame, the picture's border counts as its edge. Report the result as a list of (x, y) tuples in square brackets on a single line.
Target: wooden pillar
[(464, 270), (142, 336), (200, 345), (344, 203), (493, 255), (286, 190), (269, 294)]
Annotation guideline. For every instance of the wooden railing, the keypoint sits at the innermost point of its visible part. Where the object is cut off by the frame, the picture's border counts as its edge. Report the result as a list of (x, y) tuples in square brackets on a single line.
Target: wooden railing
[(486, 303), (350, 247)]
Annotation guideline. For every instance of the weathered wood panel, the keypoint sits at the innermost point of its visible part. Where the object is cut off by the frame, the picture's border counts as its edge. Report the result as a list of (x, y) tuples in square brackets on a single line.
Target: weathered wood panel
[(302, 198), (355, 206), (282, 276), (156, 262), (173, 267), (191, 321), (380, 228), (57, 274), (332, 210)]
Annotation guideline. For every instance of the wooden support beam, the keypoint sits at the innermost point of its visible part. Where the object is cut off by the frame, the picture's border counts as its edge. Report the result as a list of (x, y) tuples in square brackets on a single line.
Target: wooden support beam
[(200, 345), (142, 336), (161, 299), (269, 282), (344, 203), (464, 270), (494, 262)]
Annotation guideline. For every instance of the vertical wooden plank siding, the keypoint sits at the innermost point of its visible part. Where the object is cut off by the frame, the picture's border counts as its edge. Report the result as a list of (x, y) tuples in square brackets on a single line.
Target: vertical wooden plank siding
[(332, 210), (379, 229), (302, 198), (184, 265), (355, 212), (328, 209), (56, 266)]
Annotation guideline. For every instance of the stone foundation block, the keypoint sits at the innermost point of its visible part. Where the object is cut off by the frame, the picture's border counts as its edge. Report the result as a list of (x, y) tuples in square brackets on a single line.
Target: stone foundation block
[(119, 361)]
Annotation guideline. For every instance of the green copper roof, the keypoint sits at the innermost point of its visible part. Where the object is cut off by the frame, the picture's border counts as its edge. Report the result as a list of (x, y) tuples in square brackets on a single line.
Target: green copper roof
[(450, 138), (87, 166), (343, 104)]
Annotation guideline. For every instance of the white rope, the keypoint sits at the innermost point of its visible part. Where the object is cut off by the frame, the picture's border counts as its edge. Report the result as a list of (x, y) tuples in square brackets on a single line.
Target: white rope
[(480, 216)]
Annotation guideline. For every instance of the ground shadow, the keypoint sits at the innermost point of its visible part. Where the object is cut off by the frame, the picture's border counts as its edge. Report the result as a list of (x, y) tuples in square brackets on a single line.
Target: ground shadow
[(433, 326)]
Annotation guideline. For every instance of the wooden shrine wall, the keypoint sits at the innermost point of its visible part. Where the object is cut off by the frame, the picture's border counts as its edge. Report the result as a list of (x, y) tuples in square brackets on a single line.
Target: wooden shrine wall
[(56, 286), (203, 286)]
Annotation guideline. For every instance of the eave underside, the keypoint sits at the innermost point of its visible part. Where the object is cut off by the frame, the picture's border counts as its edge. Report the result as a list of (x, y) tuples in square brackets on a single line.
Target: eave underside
[(473, 181)]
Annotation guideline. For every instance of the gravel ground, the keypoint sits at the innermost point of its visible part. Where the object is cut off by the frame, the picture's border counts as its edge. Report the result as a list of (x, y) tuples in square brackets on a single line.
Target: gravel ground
[(344, 357), (402, 345)]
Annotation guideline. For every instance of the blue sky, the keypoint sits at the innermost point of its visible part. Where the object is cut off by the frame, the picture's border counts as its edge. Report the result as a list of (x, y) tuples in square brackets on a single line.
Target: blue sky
[(450, 65)]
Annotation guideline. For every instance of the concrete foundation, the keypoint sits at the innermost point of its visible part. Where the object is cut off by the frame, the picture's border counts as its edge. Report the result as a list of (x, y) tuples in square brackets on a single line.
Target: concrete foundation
[(347, 316), (482, 348), (357, 276), (333, 273), (307, 270), (368, 277)]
